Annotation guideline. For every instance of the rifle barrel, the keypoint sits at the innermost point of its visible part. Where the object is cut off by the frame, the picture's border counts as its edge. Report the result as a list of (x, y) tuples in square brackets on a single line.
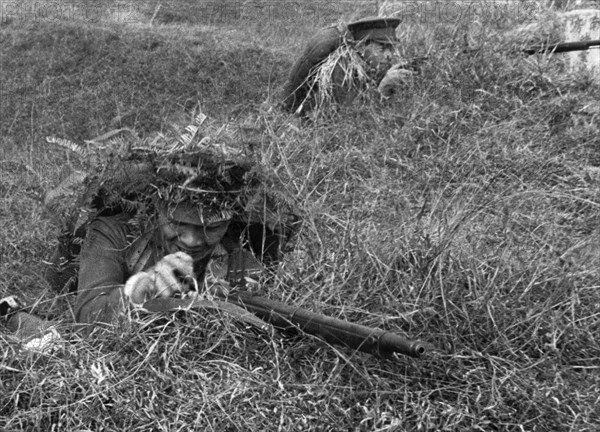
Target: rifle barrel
[(563, 47), (333, 330)]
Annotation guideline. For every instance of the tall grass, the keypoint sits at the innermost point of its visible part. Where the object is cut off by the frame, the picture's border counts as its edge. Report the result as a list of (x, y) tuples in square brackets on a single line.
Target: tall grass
[(465, 213)]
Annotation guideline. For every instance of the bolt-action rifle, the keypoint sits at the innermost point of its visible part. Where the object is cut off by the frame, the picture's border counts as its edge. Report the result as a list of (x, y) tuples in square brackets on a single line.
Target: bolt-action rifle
[(280, 315), (290, 318)]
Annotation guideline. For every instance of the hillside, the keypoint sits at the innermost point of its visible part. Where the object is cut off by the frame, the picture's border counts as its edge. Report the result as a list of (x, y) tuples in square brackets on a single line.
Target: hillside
[(464, 213)]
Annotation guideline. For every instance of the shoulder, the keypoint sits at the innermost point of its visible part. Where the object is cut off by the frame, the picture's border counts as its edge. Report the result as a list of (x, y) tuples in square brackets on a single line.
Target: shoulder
[(111, 230), (116, 222)]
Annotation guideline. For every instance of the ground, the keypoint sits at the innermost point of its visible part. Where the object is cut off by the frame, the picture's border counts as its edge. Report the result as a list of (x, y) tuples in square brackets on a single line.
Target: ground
[(464, 213)]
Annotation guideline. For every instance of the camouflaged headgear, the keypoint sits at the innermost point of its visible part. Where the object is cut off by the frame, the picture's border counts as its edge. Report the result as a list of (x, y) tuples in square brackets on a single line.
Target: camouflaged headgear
[(120, 173)]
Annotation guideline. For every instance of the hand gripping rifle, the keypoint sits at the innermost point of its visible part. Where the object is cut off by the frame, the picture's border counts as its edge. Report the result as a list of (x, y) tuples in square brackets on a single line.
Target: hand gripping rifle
[(257, 311)]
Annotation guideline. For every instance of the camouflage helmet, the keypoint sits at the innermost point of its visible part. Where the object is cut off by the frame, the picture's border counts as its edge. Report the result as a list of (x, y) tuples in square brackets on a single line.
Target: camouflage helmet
[(192, 170)]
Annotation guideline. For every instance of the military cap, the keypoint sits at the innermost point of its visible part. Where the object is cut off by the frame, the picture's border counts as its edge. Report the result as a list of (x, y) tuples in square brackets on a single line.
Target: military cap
[(377, 29)]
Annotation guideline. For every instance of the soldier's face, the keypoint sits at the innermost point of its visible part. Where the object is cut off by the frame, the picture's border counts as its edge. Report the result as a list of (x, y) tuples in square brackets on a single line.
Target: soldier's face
[(378, 55), (196, 240)]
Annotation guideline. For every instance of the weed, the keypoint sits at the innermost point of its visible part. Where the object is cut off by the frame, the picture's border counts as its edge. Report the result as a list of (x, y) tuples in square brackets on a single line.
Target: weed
[(465, 212)]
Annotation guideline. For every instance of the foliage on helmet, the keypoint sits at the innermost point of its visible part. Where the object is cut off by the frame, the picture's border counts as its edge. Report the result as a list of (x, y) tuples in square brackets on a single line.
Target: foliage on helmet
[(120, 172)]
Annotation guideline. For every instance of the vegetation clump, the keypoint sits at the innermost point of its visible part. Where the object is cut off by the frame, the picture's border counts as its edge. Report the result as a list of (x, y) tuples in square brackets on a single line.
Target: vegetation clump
[(465, 212)]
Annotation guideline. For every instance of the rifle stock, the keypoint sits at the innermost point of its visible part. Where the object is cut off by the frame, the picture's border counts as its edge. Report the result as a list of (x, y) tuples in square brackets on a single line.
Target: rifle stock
[(332, 330)]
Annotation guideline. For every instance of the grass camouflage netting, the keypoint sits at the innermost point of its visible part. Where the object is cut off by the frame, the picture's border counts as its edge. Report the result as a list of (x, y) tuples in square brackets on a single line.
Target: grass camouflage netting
[(465, 212), (344, 75), (340, 77), (118, 172)]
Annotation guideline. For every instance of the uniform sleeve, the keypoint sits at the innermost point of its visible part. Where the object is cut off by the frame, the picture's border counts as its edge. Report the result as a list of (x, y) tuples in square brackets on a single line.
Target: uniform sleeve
[(102, 271)]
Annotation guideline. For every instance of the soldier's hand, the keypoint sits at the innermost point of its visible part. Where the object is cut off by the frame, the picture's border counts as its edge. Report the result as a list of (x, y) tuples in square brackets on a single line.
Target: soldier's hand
[(167, 278), (395, 78)]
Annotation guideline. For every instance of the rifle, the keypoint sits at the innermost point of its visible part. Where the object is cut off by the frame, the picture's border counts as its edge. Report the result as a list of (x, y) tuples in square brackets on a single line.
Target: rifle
[(291, 318), (562, 47), (416, 62), (263, 310), (333, 330)]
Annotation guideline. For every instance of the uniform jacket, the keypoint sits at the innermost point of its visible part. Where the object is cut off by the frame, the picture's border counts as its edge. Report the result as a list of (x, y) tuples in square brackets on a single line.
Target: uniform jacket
[(110, 255)]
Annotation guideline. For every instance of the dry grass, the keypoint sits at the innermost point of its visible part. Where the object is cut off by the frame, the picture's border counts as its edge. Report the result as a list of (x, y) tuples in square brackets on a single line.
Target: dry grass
[(465, 213)]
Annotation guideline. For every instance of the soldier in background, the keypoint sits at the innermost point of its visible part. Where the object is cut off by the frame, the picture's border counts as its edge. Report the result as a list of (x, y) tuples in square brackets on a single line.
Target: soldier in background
[(369, 41)]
